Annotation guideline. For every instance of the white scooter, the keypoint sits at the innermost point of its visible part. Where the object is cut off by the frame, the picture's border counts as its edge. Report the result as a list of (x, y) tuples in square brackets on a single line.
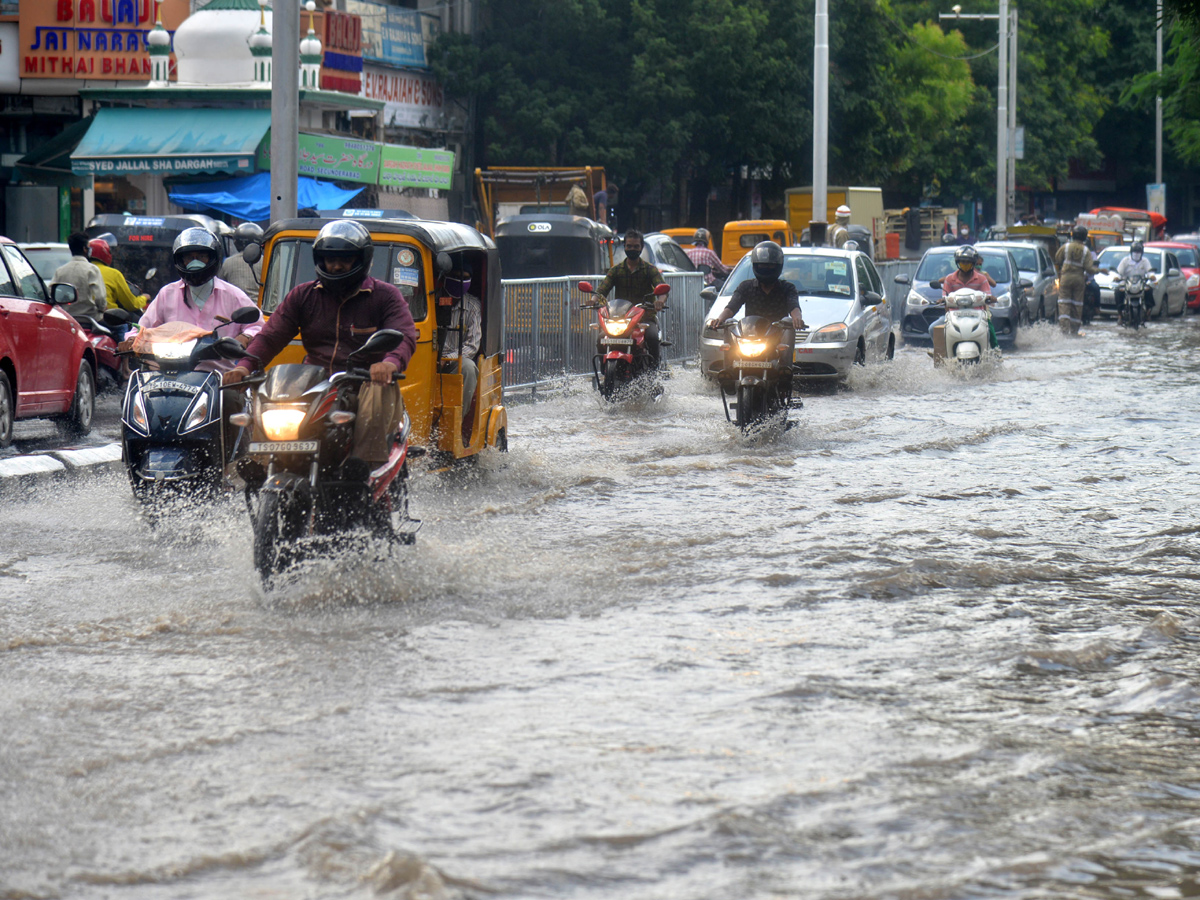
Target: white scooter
[(964, 338)]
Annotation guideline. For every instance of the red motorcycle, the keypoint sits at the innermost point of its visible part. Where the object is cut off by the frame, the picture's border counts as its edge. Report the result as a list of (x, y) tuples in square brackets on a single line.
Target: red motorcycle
[(622, 356), (111, 371)]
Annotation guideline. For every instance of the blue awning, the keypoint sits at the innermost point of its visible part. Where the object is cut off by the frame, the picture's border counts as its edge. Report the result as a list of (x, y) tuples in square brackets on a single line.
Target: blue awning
[(171, 141), (250, 198)]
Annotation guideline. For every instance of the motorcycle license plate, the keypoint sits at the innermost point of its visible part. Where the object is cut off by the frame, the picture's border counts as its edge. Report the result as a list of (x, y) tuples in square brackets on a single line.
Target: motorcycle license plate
[(626, 342), (283, 446), (753, 364)]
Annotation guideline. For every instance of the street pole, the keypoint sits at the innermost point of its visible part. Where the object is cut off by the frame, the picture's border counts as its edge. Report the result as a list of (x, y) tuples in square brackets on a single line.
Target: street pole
[(1010, 207), (820, 175), (285, 108), (1158, 173)]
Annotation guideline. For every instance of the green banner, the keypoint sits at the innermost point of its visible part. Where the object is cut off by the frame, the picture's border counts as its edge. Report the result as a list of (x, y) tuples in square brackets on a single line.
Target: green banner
[(324, 156), (416, 167)]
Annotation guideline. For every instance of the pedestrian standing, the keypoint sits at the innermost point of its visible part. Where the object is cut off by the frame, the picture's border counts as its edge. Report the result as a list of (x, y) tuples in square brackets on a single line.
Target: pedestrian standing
[(1074, 264)]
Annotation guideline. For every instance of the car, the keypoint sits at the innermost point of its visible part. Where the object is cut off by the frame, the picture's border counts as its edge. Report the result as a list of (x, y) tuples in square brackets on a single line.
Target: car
[(1188, 255), (1036, 265), (46, 258), (47, 366), (659, 250), (1164, 265), (844, 305), (923, 305)]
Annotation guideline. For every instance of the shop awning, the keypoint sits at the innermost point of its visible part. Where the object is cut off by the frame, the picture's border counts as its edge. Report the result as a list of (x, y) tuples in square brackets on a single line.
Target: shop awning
[(55, 154), (250, 198), (171, 141)]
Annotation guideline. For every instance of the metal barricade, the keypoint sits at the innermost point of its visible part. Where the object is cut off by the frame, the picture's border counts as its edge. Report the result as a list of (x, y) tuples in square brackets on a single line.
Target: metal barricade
[(548, 338), (888, 270)]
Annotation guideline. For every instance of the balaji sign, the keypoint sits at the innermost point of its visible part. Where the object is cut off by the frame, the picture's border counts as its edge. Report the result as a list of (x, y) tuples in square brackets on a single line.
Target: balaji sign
[(96, 39)]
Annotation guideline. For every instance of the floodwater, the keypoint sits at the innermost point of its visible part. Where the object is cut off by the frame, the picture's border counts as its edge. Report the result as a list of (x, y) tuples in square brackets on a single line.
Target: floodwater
[(939, 640)]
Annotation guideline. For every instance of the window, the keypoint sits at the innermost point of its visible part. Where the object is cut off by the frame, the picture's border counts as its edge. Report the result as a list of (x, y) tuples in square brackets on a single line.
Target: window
[(27, 278), (7, 288), (864, 277)]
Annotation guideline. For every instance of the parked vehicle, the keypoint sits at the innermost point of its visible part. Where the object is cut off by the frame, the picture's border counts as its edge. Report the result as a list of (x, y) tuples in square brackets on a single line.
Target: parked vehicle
[(963, 338), (659, 249), (1036, 266), (1187, 254), (311, 493), (550, 245), (1170, 283), (756, 370), (47, 366), (175, 437), (843, 302), (923, 305), (46, 258), (622, 357)]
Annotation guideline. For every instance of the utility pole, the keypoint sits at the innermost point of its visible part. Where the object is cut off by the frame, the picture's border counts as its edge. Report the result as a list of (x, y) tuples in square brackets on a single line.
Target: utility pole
[(1158, 36), (820, 175), (285, 108), (1003, 122), (1010, 205)]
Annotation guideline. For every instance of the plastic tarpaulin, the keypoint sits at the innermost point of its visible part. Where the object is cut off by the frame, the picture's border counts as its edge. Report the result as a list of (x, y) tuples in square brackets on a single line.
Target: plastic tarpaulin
[(250, 198)]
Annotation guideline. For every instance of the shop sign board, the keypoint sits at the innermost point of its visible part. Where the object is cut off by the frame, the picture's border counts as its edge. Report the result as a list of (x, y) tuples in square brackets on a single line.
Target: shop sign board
[(394, 35), (416, 167), (100, 39), (325, 156), (341, 63), (412, 99)]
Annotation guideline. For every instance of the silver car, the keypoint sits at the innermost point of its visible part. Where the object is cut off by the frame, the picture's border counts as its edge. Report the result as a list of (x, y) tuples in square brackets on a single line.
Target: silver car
[(1034, 264), (844, 306), (46, 258), (1163, 266)]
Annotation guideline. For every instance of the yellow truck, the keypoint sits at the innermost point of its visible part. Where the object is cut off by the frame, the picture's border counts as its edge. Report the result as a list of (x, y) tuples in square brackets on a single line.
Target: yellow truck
[(866, 208)]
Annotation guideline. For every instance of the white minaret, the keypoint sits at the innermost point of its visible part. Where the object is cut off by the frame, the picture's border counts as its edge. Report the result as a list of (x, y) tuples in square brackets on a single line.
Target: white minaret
[(159, 40), (310, 55), (260, 48)]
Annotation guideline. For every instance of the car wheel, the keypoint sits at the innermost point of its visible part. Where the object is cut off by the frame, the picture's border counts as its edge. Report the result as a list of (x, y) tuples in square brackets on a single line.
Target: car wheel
[(8, 411), (83, 406)]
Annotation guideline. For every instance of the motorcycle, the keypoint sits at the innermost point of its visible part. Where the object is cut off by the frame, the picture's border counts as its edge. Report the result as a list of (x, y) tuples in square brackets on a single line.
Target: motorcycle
[(111, 370), (622, 356), (757, 370), (311, 492), (1135, 304), (174, 438), (964, 337)]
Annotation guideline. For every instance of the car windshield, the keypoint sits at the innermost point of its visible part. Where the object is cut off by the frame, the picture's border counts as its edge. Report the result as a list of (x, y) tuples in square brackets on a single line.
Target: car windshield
[(938, 265), (1026, 257), (1185, 255), (825, 284), (47, 260), (1111, 258)]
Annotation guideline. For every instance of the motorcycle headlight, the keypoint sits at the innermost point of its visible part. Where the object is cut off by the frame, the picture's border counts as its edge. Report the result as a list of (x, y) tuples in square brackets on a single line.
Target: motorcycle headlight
[(282, 423), (165, 350), (916, 299), (835, 333), (198, 415), (751, 347), (1004, 301), (1193, 281), (616, 327)]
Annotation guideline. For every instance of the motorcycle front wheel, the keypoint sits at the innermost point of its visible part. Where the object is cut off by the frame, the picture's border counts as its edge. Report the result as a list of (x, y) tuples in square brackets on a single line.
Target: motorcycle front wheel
[(750, 405), (277, 524), (612, 378)]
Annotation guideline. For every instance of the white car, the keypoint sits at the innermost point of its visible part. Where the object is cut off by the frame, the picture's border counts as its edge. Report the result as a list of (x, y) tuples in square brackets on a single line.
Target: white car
[(1163, 266), (844, 305), (46, 258)]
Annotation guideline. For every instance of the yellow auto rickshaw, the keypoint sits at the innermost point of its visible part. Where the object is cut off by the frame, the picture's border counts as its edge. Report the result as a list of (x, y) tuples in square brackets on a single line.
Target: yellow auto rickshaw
[(413, 254)]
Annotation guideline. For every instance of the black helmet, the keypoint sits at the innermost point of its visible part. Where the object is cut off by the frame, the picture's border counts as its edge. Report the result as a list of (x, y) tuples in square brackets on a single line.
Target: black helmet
[(191, 240), (701, 236), (766, 259), (343, 238), (966, 254), (1137, 247), (1079, 233), (246, 234)]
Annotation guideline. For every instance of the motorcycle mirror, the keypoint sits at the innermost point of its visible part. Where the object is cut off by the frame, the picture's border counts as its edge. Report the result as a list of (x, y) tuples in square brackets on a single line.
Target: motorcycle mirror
[(902, 279), (661, 290), (380, 342), (229, 348), (252, 253), (709, 294), (935, 284), (245, 315), (586, 287), (63, 294), (150, 273)]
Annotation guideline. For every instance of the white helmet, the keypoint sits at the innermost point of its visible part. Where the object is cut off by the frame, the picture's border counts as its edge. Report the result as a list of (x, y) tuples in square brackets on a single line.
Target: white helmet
[(843, 212)]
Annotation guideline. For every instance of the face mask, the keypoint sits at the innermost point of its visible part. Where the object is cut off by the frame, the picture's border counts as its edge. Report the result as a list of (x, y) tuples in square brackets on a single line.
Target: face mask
[(1137, 257), (196, 265), (633, 253), (457, 287)]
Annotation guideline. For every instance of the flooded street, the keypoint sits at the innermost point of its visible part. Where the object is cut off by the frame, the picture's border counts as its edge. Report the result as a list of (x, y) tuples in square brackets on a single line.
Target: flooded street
[(939, 640)]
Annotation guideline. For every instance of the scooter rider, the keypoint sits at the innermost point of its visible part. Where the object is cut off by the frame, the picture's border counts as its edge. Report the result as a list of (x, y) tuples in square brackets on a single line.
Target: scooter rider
[(1134, 264), (634, 280), (334, 316), (966, 274)]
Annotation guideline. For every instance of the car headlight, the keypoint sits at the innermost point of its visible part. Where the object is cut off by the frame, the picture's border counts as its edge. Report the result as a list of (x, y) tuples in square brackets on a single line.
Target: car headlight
[(751, 347), (830, 334), (198, 414), (1193, 281), (282, 423), (616, 326), (1004, 301), (915, 298)]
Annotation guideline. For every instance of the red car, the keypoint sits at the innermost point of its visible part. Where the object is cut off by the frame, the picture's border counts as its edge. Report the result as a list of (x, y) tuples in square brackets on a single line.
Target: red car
[(1189, 264), (47, 367)]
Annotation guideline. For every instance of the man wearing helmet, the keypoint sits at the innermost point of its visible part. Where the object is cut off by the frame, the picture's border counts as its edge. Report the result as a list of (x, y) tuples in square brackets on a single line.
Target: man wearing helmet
[(116, 288), (236, 270), (967, 274), (1074, 264), (840, 232), (701, 255), (766, 294), (634, 280), (334, 316), (1134, 264), (199, 297)]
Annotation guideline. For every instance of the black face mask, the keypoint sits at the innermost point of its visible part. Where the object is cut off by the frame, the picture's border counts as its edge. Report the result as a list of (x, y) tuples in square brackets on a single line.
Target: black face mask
[(634, 253)]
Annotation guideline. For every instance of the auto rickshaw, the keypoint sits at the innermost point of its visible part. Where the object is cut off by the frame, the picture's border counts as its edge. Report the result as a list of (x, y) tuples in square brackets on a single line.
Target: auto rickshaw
[(414, 255), (144, 245)]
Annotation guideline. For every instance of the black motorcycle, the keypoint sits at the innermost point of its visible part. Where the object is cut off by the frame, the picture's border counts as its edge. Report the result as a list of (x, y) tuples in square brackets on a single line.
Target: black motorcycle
[(174, 436), (757, 371)]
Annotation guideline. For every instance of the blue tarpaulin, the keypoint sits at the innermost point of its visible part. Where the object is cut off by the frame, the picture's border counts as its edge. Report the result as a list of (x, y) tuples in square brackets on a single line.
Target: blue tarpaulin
[(250, 198)]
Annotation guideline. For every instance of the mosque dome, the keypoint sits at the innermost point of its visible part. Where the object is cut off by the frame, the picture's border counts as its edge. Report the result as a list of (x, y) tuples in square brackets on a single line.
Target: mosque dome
[(215, 45)]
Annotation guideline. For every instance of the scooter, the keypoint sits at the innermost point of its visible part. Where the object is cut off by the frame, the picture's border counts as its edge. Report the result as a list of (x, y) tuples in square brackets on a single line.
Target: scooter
[(304, 489), (1135, 306), (757, 371), (965, 337), (622, 356), (174, 439)]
